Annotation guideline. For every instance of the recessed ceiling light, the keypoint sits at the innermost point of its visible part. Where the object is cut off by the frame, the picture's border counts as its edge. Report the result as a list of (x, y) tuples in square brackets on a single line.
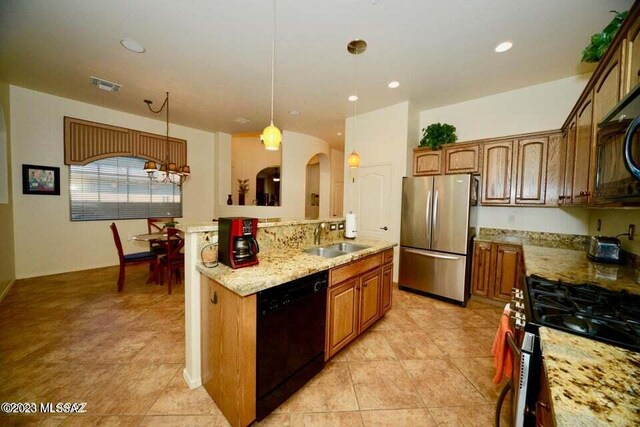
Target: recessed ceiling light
[(105, 85), (132, 45), (394, 84), (339, 133), (241, 120), (294, 112), (353, 98), (503, 47)]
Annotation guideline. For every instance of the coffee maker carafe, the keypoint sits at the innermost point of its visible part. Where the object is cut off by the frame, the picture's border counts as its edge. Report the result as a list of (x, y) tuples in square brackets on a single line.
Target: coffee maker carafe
[(238, 246)]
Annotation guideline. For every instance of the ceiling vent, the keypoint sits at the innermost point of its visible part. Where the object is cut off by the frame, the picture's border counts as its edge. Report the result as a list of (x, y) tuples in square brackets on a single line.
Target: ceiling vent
[(241, 120), (105, 85)]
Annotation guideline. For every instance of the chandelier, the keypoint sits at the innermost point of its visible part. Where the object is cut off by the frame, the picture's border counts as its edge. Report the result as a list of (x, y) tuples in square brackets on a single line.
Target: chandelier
[(168, 172)]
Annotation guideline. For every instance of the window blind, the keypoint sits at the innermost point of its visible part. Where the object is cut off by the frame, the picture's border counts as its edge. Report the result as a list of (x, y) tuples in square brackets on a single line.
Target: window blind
[(119, 188)]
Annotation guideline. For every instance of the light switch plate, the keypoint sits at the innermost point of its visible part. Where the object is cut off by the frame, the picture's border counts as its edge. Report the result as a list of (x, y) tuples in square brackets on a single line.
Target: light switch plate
[(341, 226), (333, 227)]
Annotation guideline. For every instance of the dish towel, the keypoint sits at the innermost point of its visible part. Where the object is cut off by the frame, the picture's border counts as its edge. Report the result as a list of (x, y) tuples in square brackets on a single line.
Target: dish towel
[(502, 356)]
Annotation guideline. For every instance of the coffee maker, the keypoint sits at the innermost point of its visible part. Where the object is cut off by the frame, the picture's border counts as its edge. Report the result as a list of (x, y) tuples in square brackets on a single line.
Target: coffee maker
[(237, 242)]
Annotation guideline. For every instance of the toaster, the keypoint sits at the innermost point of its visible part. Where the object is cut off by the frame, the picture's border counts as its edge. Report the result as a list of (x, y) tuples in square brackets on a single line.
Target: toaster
[(604, 249)]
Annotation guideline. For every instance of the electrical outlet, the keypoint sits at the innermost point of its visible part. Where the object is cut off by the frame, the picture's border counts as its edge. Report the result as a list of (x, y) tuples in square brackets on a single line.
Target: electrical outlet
[(341, 226), (333, 227), (632, 231)]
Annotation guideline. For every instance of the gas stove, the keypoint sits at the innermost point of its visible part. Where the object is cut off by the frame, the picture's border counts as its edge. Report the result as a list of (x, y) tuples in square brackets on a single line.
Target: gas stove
[(587, 310)]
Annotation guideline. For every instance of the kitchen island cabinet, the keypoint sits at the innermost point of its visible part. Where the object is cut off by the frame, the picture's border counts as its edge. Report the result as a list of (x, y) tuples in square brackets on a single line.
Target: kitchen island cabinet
[(496, 270)]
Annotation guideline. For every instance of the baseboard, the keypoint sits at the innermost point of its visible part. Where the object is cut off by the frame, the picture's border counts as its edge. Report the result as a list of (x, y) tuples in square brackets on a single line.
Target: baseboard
[(192, 383), (6, 290)]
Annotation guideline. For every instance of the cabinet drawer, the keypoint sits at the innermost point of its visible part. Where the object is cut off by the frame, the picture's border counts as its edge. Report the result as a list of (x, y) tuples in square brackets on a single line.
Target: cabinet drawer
[(340, 274), (387, 256)]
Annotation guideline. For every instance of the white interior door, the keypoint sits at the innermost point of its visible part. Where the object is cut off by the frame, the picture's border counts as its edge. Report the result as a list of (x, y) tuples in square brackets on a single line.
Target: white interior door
[(373, 196)]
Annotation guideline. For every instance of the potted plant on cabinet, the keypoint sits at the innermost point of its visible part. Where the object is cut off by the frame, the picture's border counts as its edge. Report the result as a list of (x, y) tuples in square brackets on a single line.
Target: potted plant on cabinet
[(437, 134), (243, 188)]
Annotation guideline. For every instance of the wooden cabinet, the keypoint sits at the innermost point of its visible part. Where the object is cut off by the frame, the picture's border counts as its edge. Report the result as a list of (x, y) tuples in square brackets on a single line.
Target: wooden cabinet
[(427, 161), (544, 408), (608, 87), (228, 351), (482, 269), (359, 294), (461, 158), (582, 156), (569, 163), (496, 270), (496, 172), (531, 170), (632, 62)]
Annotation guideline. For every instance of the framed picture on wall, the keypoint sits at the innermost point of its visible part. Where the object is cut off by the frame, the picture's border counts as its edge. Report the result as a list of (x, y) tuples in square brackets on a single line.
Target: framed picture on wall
[(40, 180)]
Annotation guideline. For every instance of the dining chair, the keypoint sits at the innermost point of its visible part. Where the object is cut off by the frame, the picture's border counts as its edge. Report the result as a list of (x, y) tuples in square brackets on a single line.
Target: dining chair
[(156, 225), (129, 259), (173, 261)]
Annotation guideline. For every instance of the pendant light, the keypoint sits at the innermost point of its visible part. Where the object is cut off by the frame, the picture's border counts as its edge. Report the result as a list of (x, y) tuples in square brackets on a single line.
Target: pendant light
[(271, 136), (168, 171), (355, 47)]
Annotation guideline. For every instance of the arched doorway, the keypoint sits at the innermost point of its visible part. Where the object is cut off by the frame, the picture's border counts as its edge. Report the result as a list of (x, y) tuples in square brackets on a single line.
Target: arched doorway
[(317, 185)]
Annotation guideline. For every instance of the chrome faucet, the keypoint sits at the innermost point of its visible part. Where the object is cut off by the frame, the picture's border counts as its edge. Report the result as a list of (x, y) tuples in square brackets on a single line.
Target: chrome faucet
[(317, 234)]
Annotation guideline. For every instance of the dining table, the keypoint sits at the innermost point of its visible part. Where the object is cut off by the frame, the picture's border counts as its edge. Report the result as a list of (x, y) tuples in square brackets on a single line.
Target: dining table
[(161, 238)]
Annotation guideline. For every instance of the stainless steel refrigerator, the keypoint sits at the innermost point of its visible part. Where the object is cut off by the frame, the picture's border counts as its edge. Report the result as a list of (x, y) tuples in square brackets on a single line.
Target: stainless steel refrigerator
[(438, 222)]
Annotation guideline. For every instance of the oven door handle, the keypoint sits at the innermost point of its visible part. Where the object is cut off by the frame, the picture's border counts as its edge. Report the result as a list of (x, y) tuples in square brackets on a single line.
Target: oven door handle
[(512, 344), (631, 165)]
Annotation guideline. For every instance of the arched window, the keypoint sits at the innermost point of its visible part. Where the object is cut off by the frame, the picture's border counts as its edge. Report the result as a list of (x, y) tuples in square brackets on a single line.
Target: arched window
[(119, 188)]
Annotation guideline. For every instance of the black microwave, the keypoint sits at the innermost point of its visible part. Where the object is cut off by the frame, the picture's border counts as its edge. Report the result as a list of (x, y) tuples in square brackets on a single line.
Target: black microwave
[(618, 153)]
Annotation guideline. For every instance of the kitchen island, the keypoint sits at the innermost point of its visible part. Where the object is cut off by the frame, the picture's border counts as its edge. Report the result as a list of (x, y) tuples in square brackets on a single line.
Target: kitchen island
[(221, 303)]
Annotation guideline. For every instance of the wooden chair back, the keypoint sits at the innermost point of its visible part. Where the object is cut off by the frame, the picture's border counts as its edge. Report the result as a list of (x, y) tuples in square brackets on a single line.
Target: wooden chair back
[(175, 244), (155, 225), (117, 241)]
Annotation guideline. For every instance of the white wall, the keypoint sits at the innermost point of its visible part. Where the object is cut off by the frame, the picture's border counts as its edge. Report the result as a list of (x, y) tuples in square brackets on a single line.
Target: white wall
[(46, 241), (248, 158), (530, 109), (297, 149), (380, 137)]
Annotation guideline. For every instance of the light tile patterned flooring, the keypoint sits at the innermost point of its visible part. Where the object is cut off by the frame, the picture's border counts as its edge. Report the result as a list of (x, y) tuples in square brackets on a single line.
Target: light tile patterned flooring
[(72, 338)]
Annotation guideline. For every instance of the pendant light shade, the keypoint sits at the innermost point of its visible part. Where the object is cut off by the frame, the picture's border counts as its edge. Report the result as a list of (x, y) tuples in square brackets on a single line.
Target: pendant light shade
[(271, 137), (353, 160)]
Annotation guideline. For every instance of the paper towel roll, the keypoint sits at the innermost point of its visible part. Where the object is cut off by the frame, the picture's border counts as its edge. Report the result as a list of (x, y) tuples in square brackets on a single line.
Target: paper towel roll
[(351, 226)]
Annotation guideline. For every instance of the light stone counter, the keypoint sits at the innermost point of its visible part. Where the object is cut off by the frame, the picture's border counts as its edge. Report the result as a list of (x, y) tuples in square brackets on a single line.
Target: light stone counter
[(573, 267), (205, 226), (591, 383), (283, 265)]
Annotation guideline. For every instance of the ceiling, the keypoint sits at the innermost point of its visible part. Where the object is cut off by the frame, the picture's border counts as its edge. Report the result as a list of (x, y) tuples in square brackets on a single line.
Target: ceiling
[(214, 56)]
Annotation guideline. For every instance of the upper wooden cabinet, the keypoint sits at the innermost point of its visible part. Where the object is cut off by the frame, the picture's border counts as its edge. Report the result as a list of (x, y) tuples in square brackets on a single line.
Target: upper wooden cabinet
[(569, 137), (582, 157), (608, 87), (427, 161), (531, 170), (631, 72), (496, 172), (461, 158)]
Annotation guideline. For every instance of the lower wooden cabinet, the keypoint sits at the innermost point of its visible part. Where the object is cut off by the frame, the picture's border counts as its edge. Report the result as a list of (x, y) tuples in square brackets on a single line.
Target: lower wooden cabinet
[(544, 410), (497, 268), (356, 301)]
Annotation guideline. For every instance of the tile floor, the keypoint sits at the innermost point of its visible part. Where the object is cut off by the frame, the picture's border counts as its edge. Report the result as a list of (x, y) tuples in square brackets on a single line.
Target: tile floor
[(72, 338)]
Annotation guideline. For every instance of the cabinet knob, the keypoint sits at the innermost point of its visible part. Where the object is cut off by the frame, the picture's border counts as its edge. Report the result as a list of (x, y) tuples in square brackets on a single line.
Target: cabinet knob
[(214, 298), (385, 228), (364, 285)]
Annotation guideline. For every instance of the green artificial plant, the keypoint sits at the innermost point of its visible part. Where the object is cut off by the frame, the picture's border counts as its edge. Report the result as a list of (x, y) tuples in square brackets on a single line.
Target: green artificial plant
[(601, 41), (437, 134)]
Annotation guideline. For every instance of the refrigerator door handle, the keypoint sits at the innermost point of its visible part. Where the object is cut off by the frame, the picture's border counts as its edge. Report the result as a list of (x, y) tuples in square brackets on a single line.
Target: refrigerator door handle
[(435, 218), (432, 254), (427, 218)]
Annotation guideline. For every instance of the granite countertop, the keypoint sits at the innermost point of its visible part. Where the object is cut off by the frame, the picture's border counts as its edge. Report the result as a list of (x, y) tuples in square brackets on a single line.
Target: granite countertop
[(573, 267), (591, 383), (205, 226), (281, 266)]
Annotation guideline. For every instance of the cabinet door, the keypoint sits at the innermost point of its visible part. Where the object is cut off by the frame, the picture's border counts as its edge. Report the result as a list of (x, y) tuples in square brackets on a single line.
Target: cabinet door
[(569, 163), (342, 315), (387, 287), (465, 159), (582, 156), (507, 271), (632, 63), (608, 87), (483, 271), (427, 162), (370, 303), (531, 170), (544, 412), (209, 322), (496, 176)]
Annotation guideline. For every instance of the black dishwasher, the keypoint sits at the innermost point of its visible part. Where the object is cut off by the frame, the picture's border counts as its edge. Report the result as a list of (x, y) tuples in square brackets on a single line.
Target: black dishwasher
[(290, 348)]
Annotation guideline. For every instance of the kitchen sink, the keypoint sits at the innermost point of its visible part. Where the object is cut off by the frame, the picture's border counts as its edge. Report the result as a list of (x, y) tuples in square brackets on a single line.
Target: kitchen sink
[(335, 249)]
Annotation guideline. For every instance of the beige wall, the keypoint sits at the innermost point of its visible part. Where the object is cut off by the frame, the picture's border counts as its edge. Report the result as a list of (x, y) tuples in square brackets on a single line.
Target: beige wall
[(311, 209), (46, 241), (248, 157), (380, 137), (614, 222), (296, 149), (7, 260), (337, 183), (530, 109)]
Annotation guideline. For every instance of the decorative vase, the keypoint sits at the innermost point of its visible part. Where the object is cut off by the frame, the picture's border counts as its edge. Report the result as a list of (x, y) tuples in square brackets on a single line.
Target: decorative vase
[(241, 199), (229, 200)]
